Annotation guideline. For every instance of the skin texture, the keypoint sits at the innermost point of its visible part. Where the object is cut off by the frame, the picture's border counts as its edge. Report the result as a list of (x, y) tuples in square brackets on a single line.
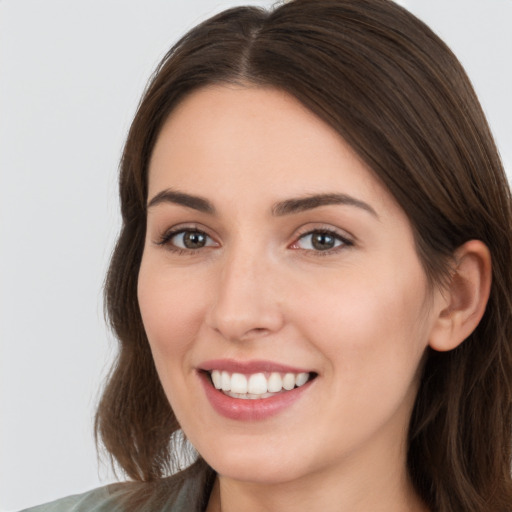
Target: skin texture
[(359, 315)]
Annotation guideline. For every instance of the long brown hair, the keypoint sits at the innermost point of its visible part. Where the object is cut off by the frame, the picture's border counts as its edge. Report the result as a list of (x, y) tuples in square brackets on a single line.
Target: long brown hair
[(396, 93)]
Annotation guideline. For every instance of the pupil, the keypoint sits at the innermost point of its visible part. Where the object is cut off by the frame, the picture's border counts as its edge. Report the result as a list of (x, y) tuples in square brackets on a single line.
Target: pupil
[(323, 241), (194, 240)]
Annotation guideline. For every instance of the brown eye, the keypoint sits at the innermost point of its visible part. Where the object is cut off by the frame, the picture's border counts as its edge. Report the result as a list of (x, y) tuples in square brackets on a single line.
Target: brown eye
[(187, 239), (194, 239), (321, 241)]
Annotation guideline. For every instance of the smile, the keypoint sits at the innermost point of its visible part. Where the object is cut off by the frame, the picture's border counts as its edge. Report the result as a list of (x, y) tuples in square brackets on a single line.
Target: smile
[(253, 390), (257, 385)]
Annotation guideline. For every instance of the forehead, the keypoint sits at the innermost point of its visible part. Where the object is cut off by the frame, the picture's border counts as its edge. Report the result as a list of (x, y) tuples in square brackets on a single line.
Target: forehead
[(237, 141)]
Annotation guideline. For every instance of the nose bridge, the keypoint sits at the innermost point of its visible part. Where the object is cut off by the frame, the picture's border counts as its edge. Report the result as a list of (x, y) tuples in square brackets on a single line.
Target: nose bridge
[(245, 304)]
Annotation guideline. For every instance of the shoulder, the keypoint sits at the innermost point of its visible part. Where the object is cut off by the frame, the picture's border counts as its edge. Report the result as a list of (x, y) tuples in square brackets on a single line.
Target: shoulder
[(96, 500), (112, 498), (183, 491)]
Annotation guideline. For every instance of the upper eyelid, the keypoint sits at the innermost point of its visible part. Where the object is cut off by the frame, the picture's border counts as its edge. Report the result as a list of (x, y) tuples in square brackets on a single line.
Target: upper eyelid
[(166, 235), (178, 228), (342, 233), (345, 240)]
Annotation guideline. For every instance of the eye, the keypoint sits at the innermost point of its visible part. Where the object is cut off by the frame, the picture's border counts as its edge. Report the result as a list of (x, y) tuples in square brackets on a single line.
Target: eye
[(187, 239), (321, 240)]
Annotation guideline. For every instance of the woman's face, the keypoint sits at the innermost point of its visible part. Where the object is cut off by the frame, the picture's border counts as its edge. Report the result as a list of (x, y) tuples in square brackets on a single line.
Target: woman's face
[(273, 255)]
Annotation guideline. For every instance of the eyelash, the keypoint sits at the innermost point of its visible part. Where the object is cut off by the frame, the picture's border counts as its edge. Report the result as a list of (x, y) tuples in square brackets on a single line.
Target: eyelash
[(165, 240), (345, 242)]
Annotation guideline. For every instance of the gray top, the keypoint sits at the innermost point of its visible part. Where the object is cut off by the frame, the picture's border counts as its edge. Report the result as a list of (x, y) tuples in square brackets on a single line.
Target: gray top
[(99, 500), (169, 497)]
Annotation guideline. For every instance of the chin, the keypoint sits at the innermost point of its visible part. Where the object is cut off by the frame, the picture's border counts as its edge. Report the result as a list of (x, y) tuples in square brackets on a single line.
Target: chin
[(261, 463), (257, 471)]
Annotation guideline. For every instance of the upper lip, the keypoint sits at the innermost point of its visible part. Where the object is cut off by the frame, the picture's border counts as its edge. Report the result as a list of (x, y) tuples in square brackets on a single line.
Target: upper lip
[(249, 367)]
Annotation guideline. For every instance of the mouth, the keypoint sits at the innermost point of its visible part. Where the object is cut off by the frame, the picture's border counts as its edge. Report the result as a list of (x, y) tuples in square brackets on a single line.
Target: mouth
[(253, 390), (255, 386)]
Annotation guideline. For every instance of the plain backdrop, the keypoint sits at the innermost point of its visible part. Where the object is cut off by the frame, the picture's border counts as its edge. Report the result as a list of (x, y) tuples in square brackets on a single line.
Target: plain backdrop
[(71, 74)]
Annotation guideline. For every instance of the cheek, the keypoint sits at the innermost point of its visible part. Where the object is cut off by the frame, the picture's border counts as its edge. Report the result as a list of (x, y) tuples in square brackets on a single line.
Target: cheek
[(365, 305), (171, 310), (170, 307), (371, 328)]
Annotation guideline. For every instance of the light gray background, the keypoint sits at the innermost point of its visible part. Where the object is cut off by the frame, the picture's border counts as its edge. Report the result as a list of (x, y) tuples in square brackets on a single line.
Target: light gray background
[(71, 73)]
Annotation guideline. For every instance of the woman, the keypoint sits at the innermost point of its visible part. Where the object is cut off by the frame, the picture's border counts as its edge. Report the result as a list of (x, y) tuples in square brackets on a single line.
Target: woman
[(313, 275)]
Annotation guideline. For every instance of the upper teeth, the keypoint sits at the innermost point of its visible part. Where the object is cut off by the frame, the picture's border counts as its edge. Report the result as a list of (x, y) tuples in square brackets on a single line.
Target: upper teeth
[(257, 383)]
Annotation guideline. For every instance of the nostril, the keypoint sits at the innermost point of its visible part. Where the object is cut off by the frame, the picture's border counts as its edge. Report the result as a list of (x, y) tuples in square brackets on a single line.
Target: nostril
[(256, 332)]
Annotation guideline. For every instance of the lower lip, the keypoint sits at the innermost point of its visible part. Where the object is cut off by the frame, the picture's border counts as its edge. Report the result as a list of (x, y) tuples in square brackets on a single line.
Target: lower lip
[(249, 410)]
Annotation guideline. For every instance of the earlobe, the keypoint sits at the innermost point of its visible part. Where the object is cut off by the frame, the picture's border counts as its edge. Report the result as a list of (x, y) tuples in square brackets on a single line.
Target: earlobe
[(462, 303)]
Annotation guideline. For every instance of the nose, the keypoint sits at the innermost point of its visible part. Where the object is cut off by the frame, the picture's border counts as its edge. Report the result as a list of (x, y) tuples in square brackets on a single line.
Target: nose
[(245, 303)]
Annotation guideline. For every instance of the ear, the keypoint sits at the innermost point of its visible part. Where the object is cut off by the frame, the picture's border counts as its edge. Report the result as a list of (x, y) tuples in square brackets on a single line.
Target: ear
[(461, 305)]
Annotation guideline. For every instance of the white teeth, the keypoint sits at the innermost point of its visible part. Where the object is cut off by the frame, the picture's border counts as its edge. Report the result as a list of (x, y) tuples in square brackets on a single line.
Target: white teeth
[(226, 381), (238, 383), (289, 381), (217, 379), (275, 383), (301, 379), (257, 385), (248, 396)]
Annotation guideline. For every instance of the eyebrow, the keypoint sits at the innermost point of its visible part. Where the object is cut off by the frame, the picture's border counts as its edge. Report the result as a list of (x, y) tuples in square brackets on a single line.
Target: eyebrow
[(173, 196), (301, 204), (286, 207)]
